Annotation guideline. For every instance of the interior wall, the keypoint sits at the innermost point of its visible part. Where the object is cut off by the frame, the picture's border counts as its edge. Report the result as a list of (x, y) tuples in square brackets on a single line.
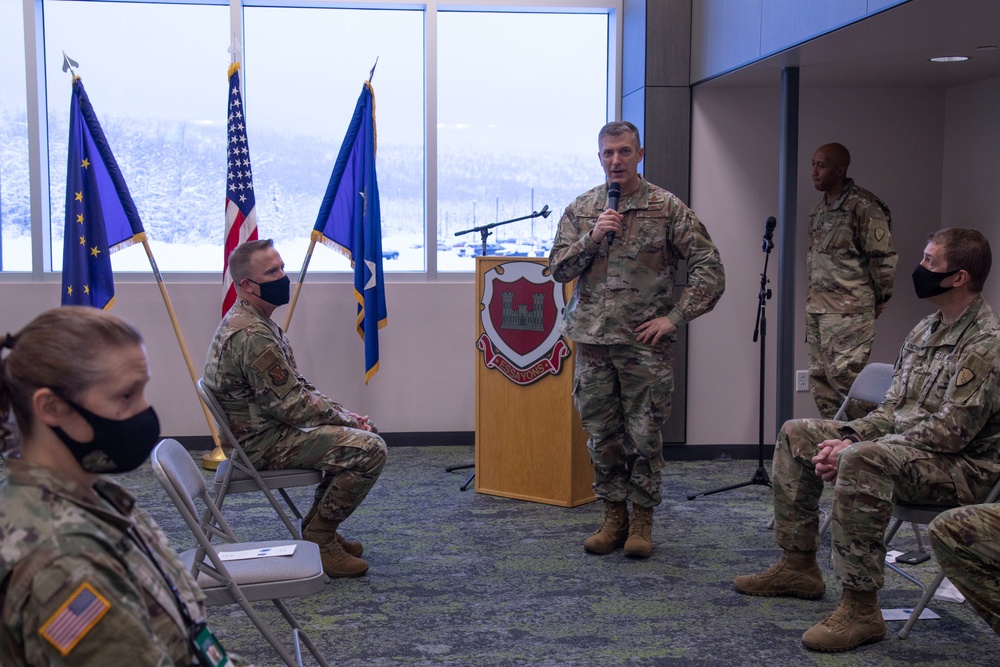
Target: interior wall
[(734, 176), (971, 164), (896, 138), (426, 381)]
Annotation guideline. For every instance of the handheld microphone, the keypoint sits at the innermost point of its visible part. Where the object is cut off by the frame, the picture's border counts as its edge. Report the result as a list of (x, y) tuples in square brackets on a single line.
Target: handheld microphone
[(614, 194), (769, 226)]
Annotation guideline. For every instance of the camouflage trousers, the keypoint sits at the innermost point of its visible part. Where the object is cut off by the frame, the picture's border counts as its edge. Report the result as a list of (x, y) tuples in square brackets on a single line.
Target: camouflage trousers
[(967, 545), (870, 475), (351, 461), (838, 346), (622, 393)]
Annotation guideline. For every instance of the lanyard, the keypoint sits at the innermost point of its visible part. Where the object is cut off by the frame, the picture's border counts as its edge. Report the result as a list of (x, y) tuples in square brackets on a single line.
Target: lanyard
[(203, 643), (137, 539)]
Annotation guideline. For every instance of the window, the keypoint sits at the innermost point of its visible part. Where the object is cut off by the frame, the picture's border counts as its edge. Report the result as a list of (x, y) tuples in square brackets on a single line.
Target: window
[(304, 72), (161, 97), (521, 97), (15, 206)]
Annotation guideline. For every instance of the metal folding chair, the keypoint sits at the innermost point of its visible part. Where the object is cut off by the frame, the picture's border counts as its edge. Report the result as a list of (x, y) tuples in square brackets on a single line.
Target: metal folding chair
[(917, 514), (870, 386), (238, 581), (238, 475)]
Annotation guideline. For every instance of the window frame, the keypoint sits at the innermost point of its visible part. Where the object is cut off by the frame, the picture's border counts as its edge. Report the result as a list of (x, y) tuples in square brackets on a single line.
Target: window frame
[(37, 104)]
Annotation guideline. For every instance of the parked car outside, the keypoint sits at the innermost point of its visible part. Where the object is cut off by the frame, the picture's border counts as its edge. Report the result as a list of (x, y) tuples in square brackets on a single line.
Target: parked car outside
[(523, 250), (477, 250)]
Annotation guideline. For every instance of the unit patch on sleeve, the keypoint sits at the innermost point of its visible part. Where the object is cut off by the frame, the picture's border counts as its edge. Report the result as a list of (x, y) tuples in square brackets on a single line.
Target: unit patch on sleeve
[(276, 373), (965, 376), (75, 618)]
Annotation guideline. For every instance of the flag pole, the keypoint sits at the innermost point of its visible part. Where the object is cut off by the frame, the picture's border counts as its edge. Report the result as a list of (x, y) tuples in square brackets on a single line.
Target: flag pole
[(213, 459), (217, 455), (298, 283)]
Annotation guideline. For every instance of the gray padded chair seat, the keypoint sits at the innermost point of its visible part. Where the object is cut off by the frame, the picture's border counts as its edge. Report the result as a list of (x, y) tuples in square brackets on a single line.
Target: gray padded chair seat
[(264, 578)]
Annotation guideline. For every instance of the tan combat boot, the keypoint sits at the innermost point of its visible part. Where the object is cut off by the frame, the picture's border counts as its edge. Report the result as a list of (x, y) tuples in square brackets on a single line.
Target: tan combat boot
[(640, 532), (350, 546), (796, 574), (857, 620), (336, 561), (612, 532)]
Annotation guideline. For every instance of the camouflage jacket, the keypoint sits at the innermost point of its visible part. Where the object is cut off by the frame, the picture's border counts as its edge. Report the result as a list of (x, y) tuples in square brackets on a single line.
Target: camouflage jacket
[(251, 370), (76, 588), (943, 398), (634, 282), (851, 262)]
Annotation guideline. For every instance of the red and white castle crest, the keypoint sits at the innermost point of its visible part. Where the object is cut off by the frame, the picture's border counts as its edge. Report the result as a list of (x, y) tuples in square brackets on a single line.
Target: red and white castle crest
[(520, 315)]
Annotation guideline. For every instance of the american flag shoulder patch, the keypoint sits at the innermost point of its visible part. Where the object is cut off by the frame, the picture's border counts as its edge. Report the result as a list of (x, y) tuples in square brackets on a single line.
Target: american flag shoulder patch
[(75, 618)]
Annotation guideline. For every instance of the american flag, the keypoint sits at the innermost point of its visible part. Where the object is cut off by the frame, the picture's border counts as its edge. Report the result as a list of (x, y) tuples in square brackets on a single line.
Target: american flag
[(75, 618), (241, 210)]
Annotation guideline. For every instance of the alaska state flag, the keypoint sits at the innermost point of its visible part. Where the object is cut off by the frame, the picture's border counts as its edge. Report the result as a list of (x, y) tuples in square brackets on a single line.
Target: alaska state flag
[(100, 215), (349, 220)]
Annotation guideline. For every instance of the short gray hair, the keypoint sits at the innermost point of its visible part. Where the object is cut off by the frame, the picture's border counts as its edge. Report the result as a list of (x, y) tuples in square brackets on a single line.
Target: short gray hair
[(239, 259), (616, 129)]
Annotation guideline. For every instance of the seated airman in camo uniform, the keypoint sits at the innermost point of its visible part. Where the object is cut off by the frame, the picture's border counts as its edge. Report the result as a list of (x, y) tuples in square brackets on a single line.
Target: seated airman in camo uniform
[(851, 265), (279, 417), (966, 543), (624, 319), (936, 439)]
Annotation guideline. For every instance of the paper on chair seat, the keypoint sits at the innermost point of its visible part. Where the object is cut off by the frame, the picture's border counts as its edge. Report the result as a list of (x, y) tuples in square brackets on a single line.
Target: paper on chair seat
[(266, 552)]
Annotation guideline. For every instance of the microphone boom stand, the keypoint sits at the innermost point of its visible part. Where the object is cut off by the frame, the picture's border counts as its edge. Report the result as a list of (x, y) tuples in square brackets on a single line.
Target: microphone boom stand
[(484, 230), (760, 477)]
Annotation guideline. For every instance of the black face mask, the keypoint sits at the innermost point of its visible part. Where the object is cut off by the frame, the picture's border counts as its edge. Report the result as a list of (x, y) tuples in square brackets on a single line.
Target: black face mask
[(119, 445), (927, 283), (276, 292)]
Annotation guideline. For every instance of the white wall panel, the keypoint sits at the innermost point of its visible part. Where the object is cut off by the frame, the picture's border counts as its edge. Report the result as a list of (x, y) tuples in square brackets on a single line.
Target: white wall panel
[(971, 164)]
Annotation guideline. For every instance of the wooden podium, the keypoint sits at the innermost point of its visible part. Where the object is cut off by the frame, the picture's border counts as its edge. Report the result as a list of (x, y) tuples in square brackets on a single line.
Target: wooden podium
[(530, 444)]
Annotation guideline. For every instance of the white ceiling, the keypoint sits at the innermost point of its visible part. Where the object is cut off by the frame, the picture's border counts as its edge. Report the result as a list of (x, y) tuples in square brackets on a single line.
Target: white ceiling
[(891, 50)]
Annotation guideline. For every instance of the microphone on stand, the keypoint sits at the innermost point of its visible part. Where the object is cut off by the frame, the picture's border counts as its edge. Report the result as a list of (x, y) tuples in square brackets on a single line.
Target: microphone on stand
[(768, 242), (614, 194)]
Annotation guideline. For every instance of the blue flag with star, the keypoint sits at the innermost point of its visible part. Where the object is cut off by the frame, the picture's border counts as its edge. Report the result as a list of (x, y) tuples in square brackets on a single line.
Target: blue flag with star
[(101, 217), (349, 220)]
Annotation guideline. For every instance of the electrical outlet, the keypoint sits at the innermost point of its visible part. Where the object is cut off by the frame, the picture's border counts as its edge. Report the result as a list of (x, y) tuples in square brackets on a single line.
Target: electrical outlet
[(801, 380)]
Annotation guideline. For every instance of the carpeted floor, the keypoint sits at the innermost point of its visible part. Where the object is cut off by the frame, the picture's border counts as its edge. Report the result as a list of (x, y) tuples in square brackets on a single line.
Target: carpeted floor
[(460, 578)]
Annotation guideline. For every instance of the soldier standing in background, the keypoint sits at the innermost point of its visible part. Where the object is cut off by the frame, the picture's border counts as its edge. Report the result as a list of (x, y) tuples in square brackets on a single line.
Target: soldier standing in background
[(623, 318), (935, 440), (851, 265), (279, 417), (966, 544)]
